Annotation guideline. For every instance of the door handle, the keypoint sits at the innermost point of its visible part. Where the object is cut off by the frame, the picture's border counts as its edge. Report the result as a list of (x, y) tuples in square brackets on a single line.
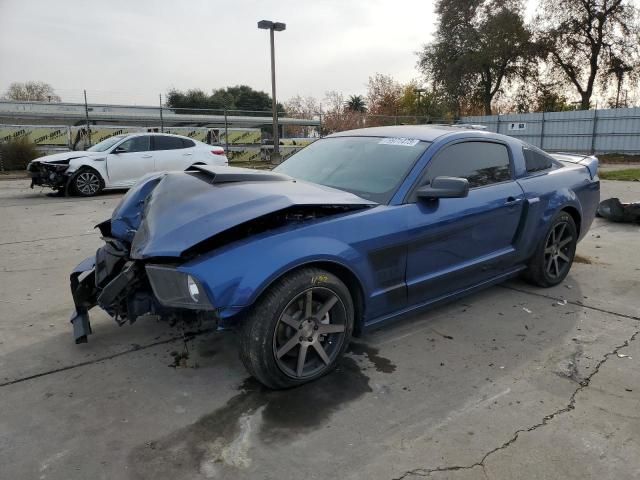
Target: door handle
[(511, 201), (186, 154), (147, 156)]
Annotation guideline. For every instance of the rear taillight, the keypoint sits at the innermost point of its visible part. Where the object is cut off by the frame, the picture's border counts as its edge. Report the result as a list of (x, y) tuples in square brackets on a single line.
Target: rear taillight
[(217, 152)]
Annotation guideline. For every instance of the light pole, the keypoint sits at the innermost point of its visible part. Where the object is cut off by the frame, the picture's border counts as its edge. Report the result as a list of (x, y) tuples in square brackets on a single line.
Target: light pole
[(273, 27)]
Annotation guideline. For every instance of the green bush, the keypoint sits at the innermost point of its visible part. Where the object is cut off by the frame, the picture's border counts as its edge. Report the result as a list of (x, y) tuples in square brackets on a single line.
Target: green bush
[(16, 154)]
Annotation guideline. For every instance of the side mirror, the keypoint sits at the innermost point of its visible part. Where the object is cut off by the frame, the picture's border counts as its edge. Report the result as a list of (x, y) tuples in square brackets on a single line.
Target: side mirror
[(444, 187), (119, 150)]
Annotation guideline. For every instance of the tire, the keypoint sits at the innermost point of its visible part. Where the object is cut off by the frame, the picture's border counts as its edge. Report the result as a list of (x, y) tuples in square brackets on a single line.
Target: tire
[(283, 327), (86, 182), (554, 254)]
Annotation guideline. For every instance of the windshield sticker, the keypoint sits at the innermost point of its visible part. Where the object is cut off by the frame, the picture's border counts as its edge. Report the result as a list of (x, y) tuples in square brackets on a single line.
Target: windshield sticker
[(405, 142)]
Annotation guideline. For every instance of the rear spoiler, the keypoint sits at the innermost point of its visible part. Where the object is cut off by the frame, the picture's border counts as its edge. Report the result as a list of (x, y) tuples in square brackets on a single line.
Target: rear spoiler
[(588, 161)]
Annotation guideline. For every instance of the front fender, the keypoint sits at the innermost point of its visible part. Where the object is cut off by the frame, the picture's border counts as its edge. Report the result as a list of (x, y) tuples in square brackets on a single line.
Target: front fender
[(236, 277), (76, 164)]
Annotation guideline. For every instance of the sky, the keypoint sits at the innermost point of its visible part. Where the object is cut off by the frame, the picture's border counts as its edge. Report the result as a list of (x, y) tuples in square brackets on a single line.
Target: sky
[(131, 51)]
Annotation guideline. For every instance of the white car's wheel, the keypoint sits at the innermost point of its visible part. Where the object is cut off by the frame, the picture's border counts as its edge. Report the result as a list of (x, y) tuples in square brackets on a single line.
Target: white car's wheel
[(86, 182)]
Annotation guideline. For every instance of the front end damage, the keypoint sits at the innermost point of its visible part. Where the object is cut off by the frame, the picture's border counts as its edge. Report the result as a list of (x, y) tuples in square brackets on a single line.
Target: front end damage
[(129, 289), (49, 174), (169, 221)]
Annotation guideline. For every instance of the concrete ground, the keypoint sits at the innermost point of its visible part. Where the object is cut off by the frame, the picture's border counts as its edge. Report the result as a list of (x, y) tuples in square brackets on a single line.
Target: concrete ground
[(513, 382)]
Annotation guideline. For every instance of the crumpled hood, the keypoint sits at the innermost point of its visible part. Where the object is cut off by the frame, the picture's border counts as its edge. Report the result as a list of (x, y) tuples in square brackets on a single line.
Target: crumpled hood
[(167, 213), (57, 157)]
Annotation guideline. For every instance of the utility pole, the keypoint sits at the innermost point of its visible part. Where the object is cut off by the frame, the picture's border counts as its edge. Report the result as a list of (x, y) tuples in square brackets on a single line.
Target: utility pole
[(161, 119), (273, 27), (86, 113), (226, 132)]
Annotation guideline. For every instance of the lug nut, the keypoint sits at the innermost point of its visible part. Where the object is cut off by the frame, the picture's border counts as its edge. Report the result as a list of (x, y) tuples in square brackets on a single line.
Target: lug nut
[(301, 338), (310, 339), (315, 327)]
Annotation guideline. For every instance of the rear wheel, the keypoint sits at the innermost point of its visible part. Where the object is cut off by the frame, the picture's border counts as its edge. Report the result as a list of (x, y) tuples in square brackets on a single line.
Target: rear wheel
[(554, 255), (298, 330), (86, 182)]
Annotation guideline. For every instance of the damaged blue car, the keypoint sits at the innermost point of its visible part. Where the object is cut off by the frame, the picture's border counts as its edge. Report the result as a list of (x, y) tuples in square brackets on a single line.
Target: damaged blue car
[(358, 229)]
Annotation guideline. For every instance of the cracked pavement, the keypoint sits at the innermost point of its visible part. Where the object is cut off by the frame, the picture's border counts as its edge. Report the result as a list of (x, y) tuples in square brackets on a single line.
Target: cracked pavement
[(480, 388)]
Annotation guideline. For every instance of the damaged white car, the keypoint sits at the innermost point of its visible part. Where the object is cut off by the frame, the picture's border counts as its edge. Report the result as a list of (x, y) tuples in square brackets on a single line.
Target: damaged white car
[(119, 161)]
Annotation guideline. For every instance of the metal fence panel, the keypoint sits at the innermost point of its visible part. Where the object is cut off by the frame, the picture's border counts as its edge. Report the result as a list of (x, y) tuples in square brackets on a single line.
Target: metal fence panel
[(586, 131)]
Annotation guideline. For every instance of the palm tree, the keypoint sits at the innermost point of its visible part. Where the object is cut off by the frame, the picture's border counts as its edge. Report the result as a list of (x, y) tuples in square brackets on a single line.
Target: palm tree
[(356, 104)]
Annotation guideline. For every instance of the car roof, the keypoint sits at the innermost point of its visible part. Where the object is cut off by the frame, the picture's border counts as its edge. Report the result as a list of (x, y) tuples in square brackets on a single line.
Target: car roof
[(137, 134), (427, 133)]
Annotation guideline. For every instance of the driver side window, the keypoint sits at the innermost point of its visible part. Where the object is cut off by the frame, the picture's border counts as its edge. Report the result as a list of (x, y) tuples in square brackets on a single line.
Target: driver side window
[(136, 144), (481, 163)]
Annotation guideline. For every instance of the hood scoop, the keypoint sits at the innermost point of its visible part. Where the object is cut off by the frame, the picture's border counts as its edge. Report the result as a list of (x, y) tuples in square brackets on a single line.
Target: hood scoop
[(217, 174)]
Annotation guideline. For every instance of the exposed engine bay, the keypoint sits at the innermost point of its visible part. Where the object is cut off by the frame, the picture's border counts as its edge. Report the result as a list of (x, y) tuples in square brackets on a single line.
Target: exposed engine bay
[(49, 174)]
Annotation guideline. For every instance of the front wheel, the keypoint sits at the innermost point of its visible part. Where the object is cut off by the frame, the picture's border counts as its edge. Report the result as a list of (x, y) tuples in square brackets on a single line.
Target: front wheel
[(86, 182), (298, 330), (554, 254)]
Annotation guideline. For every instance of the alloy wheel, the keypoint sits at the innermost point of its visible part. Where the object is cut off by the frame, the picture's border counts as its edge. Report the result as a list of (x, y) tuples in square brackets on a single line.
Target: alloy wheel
[(557, 250), (310, 333), (87, 183)]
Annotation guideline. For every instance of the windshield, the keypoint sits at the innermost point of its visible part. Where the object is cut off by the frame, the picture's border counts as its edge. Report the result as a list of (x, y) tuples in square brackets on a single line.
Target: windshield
[(106, 144), (370, 167)]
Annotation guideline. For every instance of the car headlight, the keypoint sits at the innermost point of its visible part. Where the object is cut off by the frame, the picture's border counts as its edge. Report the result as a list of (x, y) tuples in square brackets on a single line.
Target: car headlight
[(192, 286), (177, 289)]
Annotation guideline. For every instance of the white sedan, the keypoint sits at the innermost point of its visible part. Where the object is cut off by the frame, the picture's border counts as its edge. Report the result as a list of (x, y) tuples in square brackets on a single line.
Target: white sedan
[(119, 161)]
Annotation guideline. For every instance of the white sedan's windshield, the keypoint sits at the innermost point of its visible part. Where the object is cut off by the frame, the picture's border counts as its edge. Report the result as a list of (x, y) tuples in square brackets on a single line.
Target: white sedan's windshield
[(106, 144), (370, 167)]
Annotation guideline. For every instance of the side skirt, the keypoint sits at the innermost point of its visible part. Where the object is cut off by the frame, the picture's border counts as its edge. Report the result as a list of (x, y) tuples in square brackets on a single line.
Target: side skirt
[(420, 307)]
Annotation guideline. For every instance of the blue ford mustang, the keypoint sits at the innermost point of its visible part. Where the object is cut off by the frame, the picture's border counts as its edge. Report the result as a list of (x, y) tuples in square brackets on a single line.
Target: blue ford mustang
[(357, 229)]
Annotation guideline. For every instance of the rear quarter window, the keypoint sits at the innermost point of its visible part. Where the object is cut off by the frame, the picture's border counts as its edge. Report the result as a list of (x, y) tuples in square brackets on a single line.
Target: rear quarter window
[(536, 161), (186, 143), (161, 142)]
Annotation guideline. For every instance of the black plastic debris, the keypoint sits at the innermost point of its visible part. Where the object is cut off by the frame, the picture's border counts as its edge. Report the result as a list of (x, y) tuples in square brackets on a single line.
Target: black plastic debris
[(614, 210)]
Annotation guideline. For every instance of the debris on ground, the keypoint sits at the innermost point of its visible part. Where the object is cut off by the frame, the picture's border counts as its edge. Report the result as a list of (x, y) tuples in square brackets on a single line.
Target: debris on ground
[(560, 303), (582, 259), (623, 355), (179, 359), (526, 310), (614, 210), (448, 337)]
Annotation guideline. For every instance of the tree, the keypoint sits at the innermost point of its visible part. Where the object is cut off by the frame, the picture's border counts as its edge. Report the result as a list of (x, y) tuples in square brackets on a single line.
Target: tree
[(585, 39), (479, 46), (422, 102), (31, 92), (240, 97), (618, 68), (194, 98), (302, 107), (383, 95), (337, 117), (356, 103)]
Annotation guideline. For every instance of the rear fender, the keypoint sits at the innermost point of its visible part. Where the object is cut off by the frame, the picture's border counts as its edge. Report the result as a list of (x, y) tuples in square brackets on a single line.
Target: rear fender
[(539, 212)]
